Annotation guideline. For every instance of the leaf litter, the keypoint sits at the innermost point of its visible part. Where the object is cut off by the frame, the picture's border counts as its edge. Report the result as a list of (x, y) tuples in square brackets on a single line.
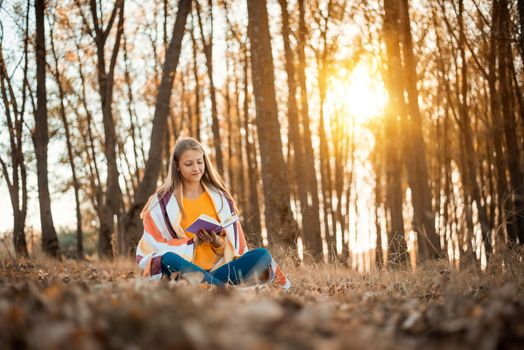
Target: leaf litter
[(96, 305)]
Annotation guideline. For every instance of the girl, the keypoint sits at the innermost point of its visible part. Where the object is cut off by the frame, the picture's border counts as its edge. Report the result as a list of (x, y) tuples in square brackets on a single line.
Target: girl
[(193, 187)]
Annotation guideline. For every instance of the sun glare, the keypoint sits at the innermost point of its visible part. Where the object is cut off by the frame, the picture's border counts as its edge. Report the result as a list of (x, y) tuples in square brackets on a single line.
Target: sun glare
[(360, 93)]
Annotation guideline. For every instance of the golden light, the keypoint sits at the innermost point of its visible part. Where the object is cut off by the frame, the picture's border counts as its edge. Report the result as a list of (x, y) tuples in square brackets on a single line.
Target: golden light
[(360, 94)]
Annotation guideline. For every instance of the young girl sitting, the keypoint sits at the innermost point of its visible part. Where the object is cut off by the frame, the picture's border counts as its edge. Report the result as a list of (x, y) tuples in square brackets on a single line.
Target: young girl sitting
[(193, 187)]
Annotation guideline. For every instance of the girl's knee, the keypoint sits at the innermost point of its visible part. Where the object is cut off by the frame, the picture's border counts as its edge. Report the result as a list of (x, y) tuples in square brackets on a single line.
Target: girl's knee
[(263, 255), (172, 261), (171, 256)]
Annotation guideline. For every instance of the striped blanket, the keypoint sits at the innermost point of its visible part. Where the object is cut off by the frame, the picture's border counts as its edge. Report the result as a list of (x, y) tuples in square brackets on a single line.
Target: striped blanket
[(162, 234)]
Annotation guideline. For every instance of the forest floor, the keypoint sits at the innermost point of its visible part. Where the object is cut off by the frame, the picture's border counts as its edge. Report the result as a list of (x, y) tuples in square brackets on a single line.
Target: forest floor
[(92, 305)]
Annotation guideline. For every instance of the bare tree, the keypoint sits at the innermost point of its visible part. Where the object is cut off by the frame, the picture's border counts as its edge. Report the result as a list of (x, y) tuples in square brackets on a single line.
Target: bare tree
[(106, 75), (252, 217), (41, 137), (397, 247), (250, 172), (76, 184), (310, 218), (521, 24), (198, 114), (423, 217), (516, 217), (465, 124), (208, 45), (131, 223), (322, 54), (17, 180), (315, 242), (280, 223)]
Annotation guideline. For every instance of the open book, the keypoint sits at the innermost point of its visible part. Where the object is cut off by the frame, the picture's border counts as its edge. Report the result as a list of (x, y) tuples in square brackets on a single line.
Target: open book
[(205, 222)]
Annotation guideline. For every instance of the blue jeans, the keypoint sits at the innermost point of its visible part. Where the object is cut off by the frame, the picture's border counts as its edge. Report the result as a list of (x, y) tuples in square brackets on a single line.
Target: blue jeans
[(253, 263)]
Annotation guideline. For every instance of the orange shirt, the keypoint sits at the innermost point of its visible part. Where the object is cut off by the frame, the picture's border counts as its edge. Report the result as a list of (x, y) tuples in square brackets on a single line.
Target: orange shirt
[(205, 256)]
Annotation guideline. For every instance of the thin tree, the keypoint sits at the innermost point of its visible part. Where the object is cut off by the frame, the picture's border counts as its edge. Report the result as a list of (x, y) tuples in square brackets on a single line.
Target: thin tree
[(397, 246), (310, 218), (69, 145), (315, 241), (280, 224), (465, 127), (131, 223), (322, 55), (504, 206), (521, 24), (239, 140), (208, 51), (252, 217), (134, 129), (376, 161), (195, 131), (41, 137), (17, 180), (423, 217), (250, 174), (513, 156), (106, 74)]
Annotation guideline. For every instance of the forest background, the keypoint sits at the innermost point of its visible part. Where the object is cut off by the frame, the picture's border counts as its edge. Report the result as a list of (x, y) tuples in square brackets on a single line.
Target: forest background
[(364, 132), (376, 147)]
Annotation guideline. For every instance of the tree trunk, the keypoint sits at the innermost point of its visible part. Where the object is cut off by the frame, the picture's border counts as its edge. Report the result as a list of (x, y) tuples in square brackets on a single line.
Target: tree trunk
[(377, 167), (315, 240), (49, 238), (310, 219), (521, 24), (349, 173), (240, 60), (18, 163), (133, 120), (131, 222), (423, 216), (516, 217), (470, 152), (208, 46), (280, 224), (238, 144), (444, 147), (231, 164), (324, 154), (397, 247), (196, 130), (252, 217), (17, 195), (496, 120), (462, 233), (111, 206), (70, 156)]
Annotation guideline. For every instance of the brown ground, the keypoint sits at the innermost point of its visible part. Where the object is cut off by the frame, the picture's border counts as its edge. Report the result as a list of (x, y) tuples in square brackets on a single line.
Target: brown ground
[(50, 305)]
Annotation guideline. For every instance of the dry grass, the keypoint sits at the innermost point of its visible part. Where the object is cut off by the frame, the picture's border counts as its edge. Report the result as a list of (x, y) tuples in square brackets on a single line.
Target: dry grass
[(428, 282), (106, 304)]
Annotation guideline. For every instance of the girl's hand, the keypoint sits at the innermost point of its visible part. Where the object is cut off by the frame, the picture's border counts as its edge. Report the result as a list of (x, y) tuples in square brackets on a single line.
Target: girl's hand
[(197, 241), (210, 237), (217, 241)]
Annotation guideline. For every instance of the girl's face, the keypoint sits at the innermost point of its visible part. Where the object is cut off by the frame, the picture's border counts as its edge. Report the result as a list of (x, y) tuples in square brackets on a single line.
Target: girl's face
[(191, 165)]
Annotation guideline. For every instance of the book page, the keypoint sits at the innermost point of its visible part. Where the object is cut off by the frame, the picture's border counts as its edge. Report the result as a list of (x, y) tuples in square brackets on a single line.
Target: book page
[(208, 219)]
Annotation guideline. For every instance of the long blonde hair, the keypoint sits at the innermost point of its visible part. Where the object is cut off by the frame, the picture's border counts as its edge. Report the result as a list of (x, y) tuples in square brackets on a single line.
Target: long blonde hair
[(211, 178)]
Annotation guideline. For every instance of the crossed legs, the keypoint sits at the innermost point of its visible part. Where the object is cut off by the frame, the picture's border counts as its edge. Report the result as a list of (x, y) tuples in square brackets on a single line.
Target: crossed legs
[(251, 266)]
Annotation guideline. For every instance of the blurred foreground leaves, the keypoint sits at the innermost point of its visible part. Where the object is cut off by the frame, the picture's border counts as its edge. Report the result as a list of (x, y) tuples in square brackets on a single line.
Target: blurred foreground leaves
[(90, 306)]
